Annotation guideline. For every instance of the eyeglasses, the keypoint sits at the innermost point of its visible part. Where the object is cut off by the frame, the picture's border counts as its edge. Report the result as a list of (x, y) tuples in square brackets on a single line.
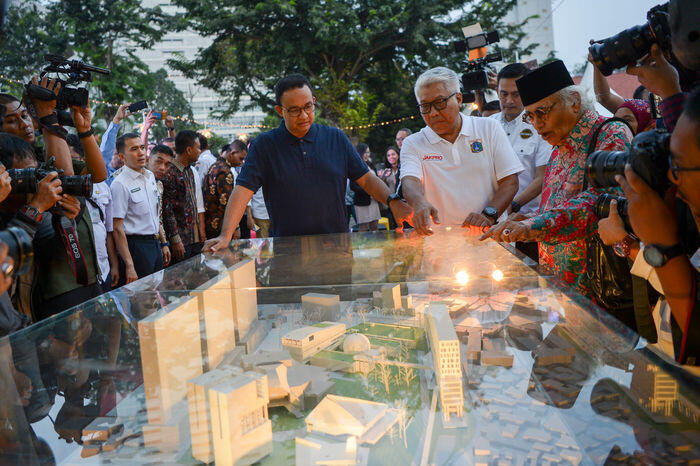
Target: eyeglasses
[(296, 111), (675, 168), (542, 113), (439, 104)]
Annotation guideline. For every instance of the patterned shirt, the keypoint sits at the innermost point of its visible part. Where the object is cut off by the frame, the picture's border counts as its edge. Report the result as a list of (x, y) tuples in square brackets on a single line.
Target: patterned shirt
[(180, 205), (567, 215), (671, 110), (217, 186)]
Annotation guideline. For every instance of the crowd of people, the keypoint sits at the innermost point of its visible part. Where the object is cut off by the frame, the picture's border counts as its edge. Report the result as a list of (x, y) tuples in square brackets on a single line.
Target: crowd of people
[(515, 171)]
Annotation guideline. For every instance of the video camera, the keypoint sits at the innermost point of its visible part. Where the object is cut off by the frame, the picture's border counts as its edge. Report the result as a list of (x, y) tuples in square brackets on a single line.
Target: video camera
[(26, 180), (634, 43), (69, 73), (475, 76), (649, 157)]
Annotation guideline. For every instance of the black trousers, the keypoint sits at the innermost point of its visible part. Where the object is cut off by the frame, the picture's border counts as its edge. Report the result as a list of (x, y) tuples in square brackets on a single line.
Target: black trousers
[(145, 253)]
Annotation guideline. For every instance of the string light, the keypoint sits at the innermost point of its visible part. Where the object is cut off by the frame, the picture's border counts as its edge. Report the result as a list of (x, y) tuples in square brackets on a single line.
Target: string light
[(223, 125)]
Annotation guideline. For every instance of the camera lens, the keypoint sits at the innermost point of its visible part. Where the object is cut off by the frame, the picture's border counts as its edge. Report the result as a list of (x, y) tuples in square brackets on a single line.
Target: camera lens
[(649, 158), (602, 208), (19, 245), (80, 185), (602, 166), (23, 180)]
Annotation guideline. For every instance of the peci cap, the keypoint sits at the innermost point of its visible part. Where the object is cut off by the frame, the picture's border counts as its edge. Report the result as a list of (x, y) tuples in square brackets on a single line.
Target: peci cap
[(543, 82)]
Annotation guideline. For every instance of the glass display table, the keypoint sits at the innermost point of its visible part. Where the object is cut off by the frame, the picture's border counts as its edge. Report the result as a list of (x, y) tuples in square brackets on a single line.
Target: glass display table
[(368, 348)]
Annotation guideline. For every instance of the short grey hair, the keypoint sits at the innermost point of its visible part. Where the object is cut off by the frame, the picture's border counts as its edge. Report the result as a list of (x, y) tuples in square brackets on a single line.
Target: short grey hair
[(568, 96), (438, 75)]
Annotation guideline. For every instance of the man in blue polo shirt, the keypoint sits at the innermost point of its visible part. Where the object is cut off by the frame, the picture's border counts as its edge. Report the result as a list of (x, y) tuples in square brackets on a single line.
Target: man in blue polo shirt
[(302, 168)]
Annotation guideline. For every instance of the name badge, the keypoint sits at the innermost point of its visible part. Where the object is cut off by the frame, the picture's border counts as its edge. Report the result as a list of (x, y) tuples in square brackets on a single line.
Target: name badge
[(476, 146), (136, 189), (526, 133)]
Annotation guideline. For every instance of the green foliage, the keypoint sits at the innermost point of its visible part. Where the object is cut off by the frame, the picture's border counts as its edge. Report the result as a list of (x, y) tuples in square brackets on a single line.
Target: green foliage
[(100, 32), (362, 57)]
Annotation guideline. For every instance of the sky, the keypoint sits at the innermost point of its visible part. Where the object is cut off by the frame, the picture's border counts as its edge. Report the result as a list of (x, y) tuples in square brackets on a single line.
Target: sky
[(578, 21)]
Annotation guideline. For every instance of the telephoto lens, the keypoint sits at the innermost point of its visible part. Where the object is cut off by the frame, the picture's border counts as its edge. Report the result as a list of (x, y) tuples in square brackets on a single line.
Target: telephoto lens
[(19, 245), (602, 208), (23, 180), (79, 185), (603, 165)]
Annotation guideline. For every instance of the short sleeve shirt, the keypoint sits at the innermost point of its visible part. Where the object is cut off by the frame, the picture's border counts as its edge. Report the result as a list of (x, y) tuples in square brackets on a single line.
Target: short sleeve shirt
[(461, 177), (135, 199), (303, 179), (531, 149)]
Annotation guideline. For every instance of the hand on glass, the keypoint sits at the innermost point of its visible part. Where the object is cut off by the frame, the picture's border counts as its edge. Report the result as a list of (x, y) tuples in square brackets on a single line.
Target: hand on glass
[(508, 232), (651, 219), (402, 213), (612, 229), (46, 107), (215, 244), (422, 214), (131, 275), (477, 221)]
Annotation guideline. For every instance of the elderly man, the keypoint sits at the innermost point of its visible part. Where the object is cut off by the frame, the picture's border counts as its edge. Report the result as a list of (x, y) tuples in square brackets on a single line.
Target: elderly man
[(565, 118), (459, 169)]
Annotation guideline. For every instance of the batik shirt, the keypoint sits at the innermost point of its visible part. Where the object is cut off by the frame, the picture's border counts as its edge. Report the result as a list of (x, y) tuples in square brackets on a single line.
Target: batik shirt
[(567, 215), (180, 205), (217, 186)]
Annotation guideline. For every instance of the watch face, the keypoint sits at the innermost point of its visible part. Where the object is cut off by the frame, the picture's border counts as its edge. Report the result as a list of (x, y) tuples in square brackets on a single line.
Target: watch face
[(490, 211), (653, 256)]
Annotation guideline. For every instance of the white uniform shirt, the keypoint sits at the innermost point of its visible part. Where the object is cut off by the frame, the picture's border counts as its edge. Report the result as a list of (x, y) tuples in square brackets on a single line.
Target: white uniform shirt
[(204, 163), (135, 199), (102, 207), (531, 149), (257, 205), (199, 195), (460, 178)]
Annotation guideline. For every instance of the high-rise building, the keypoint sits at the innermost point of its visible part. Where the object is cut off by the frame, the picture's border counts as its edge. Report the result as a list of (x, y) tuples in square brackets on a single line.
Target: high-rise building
[(538, 30), (202, 100)]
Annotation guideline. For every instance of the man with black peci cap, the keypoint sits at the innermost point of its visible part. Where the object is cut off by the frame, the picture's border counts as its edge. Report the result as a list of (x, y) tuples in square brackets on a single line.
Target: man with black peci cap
[(565, 117)]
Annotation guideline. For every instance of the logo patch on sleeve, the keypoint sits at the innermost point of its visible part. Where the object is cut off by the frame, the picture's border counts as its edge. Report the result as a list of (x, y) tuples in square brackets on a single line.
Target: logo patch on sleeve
[(476, 146)]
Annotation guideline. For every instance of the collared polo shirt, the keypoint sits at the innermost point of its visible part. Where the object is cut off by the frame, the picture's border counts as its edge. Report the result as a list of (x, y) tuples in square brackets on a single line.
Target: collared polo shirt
[(531, 149), (461, 177), (303, 179), (135, 199)]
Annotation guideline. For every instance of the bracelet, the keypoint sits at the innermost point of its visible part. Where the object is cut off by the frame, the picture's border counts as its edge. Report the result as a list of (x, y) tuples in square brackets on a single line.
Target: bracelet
[(87, 133), (164, 245)]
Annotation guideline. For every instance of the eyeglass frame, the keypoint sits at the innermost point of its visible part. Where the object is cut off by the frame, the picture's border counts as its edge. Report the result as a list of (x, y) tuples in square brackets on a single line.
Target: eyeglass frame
[(291, 110), (527, 116), (435, 104), (675, 169)]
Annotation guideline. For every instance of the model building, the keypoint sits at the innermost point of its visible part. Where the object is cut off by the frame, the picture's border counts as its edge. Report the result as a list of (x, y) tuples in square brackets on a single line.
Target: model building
[(304, 342), (241, 428), (244, 296), (319, 307), (446, 360), (391, 296)]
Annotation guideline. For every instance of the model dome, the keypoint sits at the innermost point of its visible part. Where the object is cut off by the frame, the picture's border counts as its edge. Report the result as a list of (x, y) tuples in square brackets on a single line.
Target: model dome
[(356, 343)]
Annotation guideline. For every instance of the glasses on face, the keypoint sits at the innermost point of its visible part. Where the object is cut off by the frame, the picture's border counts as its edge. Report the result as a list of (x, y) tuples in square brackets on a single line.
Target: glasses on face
[(296, 111), (541, 113), (439, 104), (675, 169)]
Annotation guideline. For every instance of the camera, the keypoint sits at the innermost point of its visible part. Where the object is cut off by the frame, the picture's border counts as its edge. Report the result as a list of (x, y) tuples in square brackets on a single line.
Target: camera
[(70, 72), (26, 180), (648, 156), (602, 208), (634, 43), (19, 248), (475, 76)]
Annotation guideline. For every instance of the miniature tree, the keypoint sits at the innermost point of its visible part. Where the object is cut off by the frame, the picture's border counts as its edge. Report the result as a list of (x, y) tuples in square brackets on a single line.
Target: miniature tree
[(384, 373), (404, 421)]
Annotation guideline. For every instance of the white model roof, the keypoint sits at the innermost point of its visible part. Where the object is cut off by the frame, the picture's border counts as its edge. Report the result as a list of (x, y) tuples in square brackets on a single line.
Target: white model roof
[(443, 323), (303, 332)]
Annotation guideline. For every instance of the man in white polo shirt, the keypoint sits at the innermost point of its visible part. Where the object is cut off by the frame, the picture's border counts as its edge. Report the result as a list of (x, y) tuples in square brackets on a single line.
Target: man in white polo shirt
[(135, 211), (458, 170), (533, 151)]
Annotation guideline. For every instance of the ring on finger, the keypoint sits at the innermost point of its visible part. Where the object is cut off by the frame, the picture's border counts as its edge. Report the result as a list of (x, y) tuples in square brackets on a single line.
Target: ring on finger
[(506, 232)]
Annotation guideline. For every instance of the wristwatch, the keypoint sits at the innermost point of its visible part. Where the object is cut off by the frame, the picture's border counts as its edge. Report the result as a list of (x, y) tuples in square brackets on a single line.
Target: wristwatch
[(491, 213), (32, 213), (515, 207), (393, 197), (658, 256), (624, 247)]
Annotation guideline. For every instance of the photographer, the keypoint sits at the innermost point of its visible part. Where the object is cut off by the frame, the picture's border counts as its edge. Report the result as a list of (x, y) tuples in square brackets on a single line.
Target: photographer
[(656, 226)]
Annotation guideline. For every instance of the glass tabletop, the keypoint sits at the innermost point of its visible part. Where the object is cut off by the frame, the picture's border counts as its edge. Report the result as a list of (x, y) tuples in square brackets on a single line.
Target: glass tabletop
[(365, 348)]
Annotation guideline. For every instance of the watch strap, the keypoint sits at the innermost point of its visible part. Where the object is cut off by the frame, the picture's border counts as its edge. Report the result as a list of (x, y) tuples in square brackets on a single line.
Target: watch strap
[(669, 252), (87, 133), (493, 217), (31, 213), (515, 207)]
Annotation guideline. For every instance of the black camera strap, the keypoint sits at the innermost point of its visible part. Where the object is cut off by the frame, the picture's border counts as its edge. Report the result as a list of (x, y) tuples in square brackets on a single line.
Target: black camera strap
[(67, 230)]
